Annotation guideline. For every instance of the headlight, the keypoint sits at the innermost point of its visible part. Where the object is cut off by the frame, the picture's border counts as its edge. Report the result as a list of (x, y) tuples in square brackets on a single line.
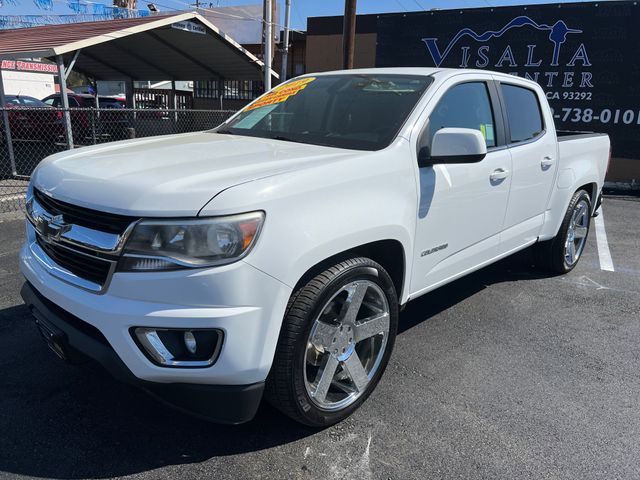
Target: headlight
[(172, 244)]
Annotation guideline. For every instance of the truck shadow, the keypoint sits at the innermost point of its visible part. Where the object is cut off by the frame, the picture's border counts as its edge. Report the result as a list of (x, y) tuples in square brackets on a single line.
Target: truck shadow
[(517, 267), (60, 421)]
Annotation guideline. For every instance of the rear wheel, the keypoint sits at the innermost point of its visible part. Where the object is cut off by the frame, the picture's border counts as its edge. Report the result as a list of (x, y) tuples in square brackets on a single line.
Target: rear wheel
[(561, 254), (336, 339)]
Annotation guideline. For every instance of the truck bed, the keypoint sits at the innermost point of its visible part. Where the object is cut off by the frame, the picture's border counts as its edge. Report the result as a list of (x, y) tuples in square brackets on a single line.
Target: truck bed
[(581, 151), (565, 135)]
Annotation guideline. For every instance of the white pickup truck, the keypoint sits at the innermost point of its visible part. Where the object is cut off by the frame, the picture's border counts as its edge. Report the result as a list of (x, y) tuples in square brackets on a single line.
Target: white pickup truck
[(271, 256)]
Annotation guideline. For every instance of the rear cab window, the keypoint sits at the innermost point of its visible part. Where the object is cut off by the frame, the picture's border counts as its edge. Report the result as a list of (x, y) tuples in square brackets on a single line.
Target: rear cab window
[(524, 115)]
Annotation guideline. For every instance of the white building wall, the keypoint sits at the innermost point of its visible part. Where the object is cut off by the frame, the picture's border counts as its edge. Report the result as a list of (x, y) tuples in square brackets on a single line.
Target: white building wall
[(32, 84)]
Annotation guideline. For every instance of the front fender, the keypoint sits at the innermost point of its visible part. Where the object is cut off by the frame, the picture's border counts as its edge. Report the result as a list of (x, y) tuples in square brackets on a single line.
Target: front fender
[(315, 213)]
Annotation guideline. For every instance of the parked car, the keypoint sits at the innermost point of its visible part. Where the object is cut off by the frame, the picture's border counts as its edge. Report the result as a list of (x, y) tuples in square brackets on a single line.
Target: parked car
[(273, 254), (30, 119), (112, 102), (87, 123)]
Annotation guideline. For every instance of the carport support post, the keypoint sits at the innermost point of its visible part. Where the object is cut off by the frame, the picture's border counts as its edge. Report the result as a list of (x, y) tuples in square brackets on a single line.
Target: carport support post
[(220, 83), (7, 128), (174, 104), (129, 93), (130, 102), (65, 100)]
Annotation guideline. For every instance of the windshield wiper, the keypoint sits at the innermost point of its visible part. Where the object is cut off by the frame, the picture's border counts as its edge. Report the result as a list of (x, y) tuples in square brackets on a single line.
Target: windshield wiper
[(248, 134), (285, 139)]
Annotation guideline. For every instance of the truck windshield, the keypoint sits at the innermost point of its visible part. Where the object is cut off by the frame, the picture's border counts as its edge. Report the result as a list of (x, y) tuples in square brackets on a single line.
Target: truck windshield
[(362, 112)]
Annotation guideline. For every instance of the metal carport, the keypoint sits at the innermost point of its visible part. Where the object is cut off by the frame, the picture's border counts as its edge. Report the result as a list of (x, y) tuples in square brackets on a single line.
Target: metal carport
[(158, 47)]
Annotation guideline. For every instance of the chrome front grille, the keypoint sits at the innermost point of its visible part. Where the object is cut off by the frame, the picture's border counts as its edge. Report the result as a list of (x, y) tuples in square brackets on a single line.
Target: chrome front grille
[(84, 217), (76, 244), (85, 266)]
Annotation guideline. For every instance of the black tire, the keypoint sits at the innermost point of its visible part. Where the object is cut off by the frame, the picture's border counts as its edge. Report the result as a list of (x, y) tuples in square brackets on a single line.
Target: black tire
[(550, 255), (285, 388)]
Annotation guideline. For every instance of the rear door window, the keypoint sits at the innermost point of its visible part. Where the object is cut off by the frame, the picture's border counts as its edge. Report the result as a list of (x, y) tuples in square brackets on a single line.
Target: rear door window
[(32, 102), (524, 115), (85, 102), (57, 102)]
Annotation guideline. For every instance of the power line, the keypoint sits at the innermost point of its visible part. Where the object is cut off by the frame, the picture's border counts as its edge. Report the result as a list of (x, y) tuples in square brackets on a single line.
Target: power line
[(297, 14), (234, 16), (211, 13), (401, 5)]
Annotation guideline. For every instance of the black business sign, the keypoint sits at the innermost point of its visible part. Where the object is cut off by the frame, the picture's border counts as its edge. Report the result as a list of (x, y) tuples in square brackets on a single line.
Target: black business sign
[(586, 56)]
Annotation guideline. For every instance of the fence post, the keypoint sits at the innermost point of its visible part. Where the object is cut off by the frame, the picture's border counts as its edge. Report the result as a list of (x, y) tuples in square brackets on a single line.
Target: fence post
[(7, 128), (93, 124), (174, 105)]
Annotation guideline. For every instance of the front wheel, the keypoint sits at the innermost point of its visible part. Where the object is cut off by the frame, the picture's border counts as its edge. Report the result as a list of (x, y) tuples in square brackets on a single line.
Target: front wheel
[(336, 339), (561, 254)]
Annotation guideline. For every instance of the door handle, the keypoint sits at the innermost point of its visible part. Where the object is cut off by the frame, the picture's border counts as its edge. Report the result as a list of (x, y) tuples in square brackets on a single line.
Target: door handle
[(498, 174), (546, 162)]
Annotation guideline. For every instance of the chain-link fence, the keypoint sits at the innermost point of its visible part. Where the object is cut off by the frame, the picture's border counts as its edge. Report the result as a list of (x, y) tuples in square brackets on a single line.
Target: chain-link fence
[(36, 133)]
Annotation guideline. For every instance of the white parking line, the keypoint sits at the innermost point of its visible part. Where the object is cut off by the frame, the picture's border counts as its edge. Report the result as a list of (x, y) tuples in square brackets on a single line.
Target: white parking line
[(606, 263)]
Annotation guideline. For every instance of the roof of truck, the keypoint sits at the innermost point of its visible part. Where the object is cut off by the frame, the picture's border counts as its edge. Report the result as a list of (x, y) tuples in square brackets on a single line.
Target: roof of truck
[(422, 71)]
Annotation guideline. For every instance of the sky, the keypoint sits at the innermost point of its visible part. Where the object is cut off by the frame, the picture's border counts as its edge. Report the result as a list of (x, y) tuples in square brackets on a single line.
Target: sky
[(301, 9)]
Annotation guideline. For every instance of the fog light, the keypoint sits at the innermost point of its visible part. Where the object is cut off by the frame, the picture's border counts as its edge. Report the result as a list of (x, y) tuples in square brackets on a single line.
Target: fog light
[(176, 347), (190, 342)]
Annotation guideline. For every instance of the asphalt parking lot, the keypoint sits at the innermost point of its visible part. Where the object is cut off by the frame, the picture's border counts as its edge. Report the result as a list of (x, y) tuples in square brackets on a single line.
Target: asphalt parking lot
[(507, 373)]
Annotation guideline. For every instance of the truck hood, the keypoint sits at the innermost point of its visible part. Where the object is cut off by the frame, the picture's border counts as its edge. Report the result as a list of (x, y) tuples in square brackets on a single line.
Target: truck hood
[(170, 175)]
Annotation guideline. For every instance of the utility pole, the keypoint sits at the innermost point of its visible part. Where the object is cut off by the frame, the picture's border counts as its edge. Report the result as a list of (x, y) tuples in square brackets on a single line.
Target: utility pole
[(274, 31), (285, 42), (348, 34), (268, 37)]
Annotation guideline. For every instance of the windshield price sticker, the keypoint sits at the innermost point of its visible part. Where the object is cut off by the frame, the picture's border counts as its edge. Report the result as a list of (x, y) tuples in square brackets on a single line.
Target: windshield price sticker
[(281, 93), (487, 132)]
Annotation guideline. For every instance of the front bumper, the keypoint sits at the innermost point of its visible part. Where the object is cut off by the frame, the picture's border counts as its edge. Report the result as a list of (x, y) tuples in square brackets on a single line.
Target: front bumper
[(242, 302), (77, 340)]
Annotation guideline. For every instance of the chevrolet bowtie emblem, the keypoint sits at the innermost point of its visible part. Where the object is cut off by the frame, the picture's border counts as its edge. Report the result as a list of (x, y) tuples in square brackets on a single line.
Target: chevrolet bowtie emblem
[(52, 228)]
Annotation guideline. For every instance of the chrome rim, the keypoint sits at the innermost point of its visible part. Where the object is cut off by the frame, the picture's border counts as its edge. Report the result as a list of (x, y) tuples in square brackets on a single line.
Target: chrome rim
[(577, 233), (346, 345)]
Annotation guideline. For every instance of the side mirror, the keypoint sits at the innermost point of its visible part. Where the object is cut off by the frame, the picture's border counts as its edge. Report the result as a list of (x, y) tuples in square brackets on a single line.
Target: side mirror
[(453, 145)]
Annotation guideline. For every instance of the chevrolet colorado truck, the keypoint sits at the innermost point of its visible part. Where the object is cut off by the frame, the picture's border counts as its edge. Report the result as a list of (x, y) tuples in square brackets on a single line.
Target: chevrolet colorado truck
[(270, 257)]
